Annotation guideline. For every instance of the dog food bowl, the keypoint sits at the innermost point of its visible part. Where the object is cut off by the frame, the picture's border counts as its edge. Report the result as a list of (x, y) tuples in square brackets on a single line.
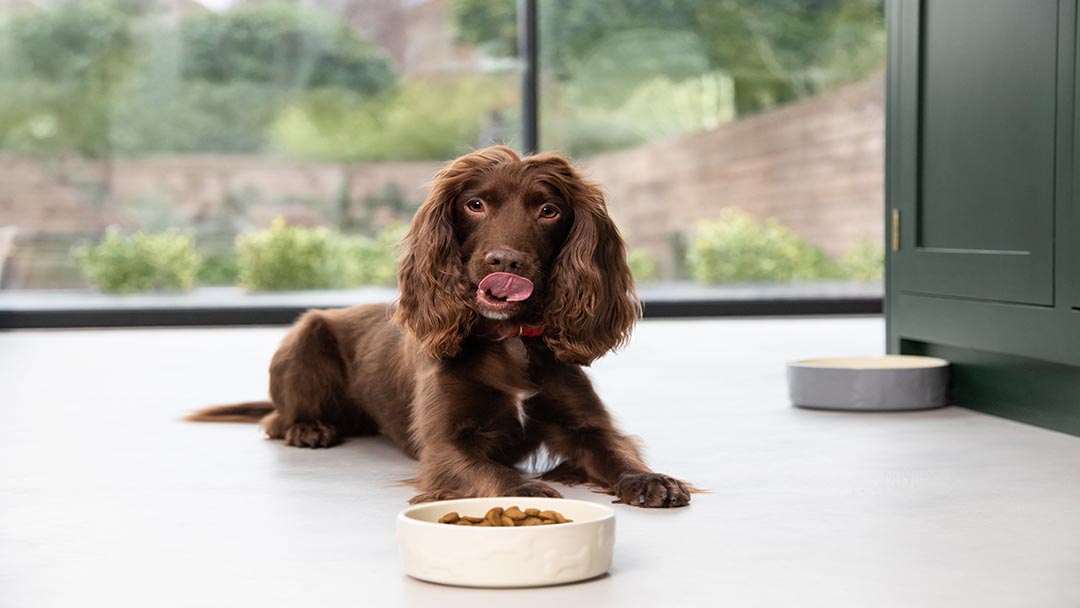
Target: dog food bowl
[(527, 556), (888, 383)]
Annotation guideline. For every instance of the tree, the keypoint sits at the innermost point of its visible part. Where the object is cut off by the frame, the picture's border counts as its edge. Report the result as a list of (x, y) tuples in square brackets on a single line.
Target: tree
[(102, 77), (492, 25), (774, 50), (420, 120), (780, 50), (62, 66), (286, 46)]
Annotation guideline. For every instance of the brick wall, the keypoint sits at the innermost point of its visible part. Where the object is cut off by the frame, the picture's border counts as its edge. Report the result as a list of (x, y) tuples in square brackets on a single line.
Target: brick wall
[(817, 166), (57, 203)]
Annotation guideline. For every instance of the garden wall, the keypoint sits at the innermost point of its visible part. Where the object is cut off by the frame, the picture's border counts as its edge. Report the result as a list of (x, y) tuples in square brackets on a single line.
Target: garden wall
[(817, 166), (57, 203)]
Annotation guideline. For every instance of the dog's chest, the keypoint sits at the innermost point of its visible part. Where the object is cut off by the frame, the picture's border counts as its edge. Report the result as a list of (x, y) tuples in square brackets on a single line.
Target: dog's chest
[(521, 388), (505, 368)]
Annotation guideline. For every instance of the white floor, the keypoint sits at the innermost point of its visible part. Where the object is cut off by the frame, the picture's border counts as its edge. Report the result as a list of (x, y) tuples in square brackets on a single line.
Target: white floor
[(106, 499)]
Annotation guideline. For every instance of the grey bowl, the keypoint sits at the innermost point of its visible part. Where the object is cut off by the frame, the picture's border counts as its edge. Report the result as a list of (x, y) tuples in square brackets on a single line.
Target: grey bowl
[(888, 383)]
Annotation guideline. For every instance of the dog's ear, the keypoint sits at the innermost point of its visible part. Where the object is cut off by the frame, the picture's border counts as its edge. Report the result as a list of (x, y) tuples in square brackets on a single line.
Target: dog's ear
[(432, 305), (591, 304)]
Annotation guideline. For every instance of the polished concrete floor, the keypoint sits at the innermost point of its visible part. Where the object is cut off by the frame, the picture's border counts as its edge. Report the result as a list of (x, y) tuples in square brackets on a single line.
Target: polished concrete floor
[(107, 499)]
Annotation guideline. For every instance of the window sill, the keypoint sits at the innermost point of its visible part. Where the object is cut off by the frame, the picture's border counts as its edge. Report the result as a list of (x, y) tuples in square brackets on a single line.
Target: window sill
[(233, 306)]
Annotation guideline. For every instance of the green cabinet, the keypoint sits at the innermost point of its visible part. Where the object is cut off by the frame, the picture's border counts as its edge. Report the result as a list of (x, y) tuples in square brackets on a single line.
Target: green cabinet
[(981, 216)]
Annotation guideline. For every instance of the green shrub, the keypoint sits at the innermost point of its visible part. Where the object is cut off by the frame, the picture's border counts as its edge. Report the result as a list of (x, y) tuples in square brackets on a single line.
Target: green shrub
[(295, 257), (739, 247), (864, 262), (643, 265), (373, 261), (218, 269), (289, 257), (141, 262)]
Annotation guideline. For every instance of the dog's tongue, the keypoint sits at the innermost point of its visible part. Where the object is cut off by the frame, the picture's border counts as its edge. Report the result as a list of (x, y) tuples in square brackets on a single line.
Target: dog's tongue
[(509, 287)]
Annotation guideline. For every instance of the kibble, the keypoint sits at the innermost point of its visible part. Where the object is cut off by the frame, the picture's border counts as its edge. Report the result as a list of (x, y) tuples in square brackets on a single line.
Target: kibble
[(505, 518)]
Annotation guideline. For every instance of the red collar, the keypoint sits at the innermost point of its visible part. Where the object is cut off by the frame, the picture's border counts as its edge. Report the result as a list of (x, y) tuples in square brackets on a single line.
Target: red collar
[(502, 331)]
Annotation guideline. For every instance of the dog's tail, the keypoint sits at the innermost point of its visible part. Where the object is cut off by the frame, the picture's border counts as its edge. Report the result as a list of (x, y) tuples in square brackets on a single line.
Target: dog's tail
[(251, 411)]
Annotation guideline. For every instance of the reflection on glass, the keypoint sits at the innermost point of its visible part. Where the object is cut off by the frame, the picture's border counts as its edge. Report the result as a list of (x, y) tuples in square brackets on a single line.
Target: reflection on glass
[(160, 145), (740, 141), (140, 138)]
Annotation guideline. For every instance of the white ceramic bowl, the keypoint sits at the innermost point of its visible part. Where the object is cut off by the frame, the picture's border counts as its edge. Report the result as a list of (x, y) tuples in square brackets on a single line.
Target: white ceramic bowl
[(506, 557), (888, 383)]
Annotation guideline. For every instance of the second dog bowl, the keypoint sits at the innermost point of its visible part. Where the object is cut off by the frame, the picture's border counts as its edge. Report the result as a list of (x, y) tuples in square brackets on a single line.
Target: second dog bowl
[(888, 383)]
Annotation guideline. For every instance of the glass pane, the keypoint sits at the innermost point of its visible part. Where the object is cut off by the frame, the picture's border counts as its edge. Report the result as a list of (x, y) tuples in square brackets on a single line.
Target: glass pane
[(194, 122), (740, 142)]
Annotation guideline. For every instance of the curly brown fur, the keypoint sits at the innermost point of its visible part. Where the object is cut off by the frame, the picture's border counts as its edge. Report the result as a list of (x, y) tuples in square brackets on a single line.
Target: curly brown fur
[(438, 374)]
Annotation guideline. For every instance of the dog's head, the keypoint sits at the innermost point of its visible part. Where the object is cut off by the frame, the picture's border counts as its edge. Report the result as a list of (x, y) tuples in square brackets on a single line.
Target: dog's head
[(516, 240)]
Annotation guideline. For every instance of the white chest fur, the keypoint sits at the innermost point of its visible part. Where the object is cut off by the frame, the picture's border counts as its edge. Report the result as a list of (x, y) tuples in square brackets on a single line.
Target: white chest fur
[(517, 352)]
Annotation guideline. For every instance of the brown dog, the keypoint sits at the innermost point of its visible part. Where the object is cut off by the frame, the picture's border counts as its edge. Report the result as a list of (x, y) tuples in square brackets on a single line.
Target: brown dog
[(512, 277)]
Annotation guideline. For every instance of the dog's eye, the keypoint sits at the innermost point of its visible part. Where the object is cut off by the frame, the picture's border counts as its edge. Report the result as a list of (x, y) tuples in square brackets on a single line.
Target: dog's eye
[(475, 205), (549, 212)]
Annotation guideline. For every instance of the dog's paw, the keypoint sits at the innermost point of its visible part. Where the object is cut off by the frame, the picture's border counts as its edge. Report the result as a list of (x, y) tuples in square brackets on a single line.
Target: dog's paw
[(534, 488), (651, 490), (311, 435)]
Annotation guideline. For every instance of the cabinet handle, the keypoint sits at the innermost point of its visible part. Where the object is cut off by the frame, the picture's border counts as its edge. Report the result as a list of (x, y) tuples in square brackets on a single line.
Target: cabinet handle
[(895, 240)]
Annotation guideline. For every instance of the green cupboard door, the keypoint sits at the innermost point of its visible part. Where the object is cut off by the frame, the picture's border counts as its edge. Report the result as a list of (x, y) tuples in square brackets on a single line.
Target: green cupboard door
[(977, 96)]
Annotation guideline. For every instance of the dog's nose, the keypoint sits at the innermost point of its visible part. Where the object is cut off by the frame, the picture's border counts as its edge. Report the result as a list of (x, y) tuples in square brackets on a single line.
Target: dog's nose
[(505, 260)]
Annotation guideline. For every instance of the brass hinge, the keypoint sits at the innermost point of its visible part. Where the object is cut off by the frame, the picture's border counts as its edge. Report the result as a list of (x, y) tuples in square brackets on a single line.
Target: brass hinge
[(895, 240)]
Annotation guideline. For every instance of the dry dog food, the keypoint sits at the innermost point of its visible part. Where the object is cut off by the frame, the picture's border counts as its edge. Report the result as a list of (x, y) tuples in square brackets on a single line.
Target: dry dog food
[(499, 517)]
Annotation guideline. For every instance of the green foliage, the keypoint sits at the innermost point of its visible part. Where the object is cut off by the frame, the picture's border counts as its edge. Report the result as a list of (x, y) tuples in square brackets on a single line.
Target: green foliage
[(421, 120), (81, 41), (295, 257), (488, 24), (289, 258), (103, 77), (141, 262), (690, 105), (61, 66), (776, 50), (738, 247), (643, 265), (601, 54), (373, 261), (284, 45), (782, 50), (865, 262), (218, 269), (228, 118)]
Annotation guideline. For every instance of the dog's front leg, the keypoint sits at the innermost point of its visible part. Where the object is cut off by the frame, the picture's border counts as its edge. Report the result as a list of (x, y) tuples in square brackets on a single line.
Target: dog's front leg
[(579, 429), (448, 472), (467, 433)]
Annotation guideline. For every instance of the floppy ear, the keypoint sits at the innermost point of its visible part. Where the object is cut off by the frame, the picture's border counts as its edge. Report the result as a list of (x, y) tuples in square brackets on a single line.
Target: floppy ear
[(433, 305), (591, 306)]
